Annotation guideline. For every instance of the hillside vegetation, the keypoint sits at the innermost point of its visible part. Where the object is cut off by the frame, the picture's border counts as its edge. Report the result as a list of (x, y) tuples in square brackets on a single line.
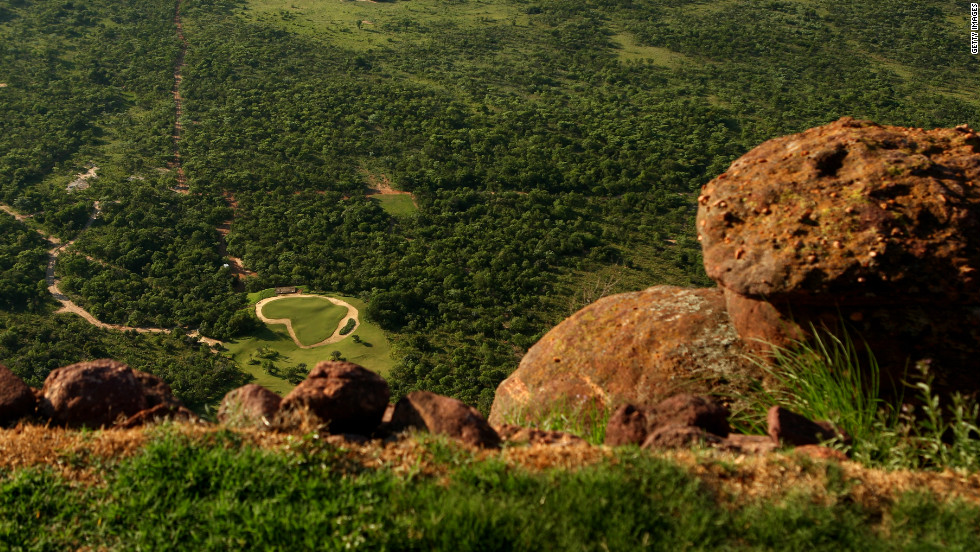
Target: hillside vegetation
[(553, 150)]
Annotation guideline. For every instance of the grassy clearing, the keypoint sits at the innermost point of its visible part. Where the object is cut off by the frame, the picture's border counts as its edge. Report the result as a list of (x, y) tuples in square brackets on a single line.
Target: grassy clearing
[(397, 205), (216, 491), (363, 26), (272, 342), (313, 318)]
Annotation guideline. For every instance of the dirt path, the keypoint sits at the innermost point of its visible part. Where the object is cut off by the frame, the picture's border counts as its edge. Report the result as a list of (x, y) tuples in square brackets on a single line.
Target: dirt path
[(67, 305), (178, 103), (352, 314)]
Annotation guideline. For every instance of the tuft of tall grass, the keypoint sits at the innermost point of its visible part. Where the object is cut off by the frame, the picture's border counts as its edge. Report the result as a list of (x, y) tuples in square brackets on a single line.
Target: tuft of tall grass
[(824, 379), (587, 420)]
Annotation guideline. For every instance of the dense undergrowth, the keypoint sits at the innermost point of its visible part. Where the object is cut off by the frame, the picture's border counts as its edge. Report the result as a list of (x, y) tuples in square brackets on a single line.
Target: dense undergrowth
[(218, 493)]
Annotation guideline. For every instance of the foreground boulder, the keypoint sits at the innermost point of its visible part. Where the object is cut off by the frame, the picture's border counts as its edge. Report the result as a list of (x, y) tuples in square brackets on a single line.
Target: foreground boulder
[(876, 225), (445, 416), (632, 348), (342, 395), (16, 398), (249, 406), (630, 424), (93, 394)]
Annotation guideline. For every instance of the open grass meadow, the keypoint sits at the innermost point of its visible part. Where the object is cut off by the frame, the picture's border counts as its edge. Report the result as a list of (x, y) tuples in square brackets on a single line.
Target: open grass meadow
[(397, 205), (218, 490), (272, 343), (313, 318)]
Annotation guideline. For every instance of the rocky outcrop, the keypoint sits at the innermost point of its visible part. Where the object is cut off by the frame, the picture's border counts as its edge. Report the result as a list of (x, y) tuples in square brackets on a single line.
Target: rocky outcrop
[(156, 391), (344, 396), (874, 225), (249, 406), (444, 416), (93, 394), (632, 348), (686, 420), (16, 398)]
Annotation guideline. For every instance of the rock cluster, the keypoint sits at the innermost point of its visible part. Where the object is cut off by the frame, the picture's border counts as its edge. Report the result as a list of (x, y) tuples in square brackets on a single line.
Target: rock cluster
[(98, 393), (850, 227), (345, 399), (878, 226), (685, 420)]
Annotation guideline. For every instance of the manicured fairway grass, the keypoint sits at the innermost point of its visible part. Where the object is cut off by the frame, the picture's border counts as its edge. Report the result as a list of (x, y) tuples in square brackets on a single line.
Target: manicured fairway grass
[(313, 318), (396, 205), (372, 353)]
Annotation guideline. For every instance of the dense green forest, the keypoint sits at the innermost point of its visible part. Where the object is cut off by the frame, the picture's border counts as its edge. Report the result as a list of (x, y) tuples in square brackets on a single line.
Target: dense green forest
[(553, 150)]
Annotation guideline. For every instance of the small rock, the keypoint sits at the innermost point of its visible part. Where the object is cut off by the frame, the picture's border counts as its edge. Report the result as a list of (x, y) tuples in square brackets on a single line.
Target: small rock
[(690, 410), (679, 436), (789, 428), (443, 415), (343, 395), (626, 426), (249, 406), (16, 399)]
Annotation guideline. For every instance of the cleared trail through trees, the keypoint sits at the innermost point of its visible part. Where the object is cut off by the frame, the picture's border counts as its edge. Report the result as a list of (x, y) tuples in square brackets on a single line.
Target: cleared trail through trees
[(67, 305), (178, 100), (352, 314)]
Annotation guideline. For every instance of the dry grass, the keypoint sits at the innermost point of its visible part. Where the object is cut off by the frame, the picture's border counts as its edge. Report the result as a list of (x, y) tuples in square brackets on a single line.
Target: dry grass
[(79, 456)]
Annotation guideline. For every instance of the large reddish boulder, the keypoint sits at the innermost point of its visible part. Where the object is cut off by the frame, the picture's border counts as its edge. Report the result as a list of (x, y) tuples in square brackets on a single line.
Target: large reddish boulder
[(250, 405), (94, 394), (633, 348), (875, 226), (342, 395), (16, 398), (443, 415)]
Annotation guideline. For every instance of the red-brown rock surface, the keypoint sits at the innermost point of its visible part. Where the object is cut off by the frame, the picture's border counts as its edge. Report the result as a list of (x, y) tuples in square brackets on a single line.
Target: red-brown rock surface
[(690, 410), (443, 415), (343, 395), (635, 348), (848, 208), (93, 394), (16, 398), (789, 428), (156, 391), (250, 405), (627, 425), (874, 224)]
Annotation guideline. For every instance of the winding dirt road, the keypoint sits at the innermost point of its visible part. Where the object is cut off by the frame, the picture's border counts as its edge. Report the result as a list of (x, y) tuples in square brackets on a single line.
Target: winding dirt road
[(352, 314), (67, 305)]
